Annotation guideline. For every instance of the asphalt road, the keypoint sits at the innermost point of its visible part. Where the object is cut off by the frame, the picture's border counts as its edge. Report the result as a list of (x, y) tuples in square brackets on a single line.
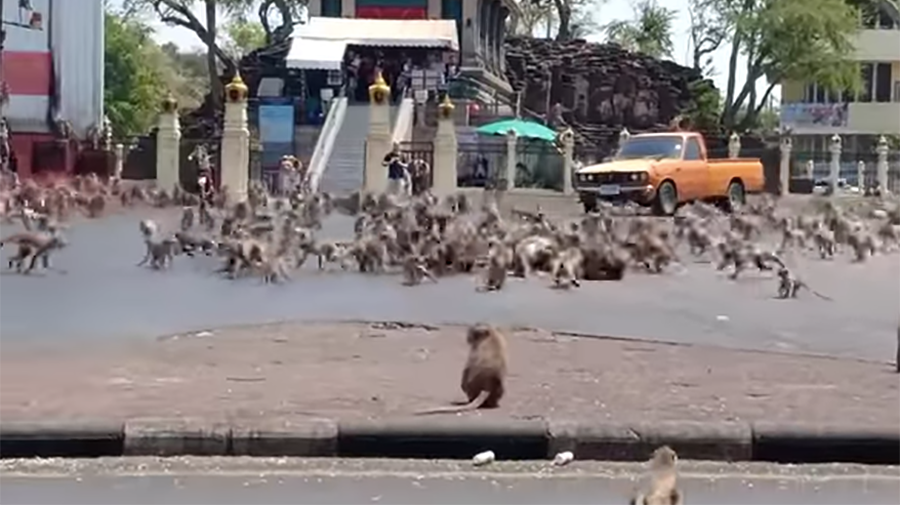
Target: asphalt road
[(240, 481), (104, 296)]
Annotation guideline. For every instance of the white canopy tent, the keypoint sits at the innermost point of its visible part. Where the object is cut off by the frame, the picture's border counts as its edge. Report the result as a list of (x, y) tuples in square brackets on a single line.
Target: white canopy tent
[(431, 33), (316, 54)]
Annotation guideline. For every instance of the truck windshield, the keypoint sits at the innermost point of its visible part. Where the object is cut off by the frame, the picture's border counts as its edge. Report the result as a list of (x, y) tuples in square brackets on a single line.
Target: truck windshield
[(651, 147)]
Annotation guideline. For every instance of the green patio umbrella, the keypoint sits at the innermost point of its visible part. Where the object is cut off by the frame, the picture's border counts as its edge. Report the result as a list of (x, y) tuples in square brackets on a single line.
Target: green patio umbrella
[(525, 129)]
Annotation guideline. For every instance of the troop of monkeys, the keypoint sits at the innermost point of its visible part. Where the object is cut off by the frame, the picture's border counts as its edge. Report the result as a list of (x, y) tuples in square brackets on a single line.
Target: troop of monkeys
[(425, 238)]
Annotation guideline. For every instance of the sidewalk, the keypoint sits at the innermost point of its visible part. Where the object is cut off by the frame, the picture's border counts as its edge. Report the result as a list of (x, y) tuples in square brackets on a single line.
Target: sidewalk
[(376, 371)]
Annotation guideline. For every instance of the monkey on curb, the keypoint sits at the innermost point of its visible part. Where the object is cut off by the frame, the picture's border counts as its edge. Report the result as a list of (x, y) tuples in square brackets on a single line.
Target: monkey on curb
[(789, 285), (664, 479), (484, 375)]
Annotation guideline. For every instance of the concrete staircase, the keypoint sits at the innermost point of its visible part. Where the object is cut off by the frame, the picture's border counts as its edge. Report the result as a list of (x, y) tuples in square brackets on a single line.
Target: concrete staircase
[(344, 170)]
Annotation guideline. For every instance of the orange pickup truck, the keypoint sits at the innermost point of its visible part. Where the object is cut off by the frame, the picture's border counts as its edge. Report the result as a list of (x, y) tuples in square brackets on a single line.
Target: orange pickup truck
[(664, 170)]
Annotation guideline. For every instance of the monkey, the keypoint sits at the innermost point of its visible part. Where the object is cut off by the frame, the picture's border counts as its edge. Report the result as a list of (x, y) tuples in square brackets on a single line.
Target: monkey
[(189, 243), (789, 285), (699, 240), (148, 228), (663, 490), (96, 205), (273, 270), (371, 255), (484, 374), (37, 245), (499, 259), (566, 268), (159, 253), (415, 270), (862, 244), (825, 243), (187, 218), (329, 252)]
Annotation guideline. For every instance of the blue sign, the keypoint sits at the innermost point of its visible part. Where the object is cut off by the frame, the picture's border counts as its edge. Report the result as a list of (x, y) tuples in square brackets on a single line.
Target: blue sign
[(276, 124)]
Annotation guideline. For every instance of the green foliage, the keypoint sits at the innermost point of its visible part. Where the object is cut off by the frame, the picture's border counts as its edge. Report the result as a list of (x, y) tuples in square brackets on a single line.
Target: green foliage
[(649, 32), (244, 36), (132, 87), (804, 40), (703, 113)]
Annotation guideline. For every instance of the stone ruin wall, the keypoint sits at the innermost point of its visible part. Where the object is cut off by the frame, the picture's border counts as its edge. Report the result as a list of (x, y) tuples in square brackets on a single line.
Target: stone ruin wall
[(600, 88)]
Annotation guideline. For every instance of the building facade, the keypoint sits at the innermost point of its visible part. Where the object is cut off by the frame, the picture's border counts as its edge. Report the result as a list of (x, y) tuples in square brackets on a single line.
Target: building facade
[(480, 24), (52, 70), (814, 115)]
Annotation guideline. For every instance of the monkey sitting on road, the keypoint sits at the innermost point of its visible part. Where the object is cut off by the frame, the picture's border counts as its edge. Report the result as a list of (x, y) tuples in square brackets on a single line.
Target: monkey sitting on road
[(663, 485), (36, 245), (484, 375), (789, 285)]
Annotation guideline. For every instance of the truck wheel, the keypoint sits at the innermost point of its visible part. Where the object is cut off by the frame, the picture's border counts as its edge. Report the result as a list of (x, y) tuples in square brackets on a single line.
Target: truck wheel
[(736, 196), (666, 201)]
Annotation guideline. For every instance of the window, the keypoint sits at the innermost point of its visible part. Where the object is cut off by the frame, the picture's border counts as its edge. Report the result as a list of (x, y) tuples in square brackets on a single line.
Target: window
[(692, 150), (821, 96), (868, 77), (809, 93), (883, 82)]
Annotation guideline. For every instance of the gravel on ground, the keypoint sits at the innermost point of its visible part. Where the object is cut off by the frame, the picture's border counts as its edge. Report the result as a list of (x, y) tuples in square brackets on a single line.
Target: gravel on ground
[(388, 370)]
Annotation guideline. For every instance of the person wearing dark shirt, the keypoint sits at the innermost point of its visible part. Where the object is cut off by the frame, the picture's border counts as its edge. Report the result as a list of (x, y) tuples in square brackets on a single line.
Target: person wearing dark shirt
[(398, 174)]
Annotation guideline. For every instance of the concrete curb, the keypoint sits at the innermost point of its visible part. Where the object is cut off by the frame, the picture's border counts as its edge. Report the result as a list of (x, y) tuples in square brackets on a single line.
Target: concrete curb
[(451, 437)]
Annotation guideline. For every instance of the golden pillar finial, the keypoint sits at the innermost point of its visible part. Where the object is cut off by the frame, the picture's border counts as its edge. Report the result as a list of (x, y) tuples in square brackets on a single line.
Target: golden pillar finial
[(236, 91), (169, 103), (446, 107), (379, 91)]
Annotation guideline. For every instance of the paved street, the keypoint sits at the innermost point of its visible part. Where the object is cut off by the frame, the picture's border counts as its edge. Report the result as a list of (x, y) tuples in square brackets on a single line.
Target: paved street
[(104, 296), (388, 371), (297, 482)]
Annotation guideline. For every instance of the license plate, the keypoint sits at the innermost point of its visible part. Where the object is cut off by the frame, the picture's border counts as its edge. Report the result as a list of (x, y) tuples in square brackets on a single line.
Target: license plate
[(610, 189)]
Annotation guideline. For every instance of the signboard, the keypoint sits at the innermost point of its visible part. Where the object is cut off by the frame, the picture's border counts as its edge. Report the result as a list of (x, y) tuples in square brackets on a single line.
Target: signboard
[(276, 133), (826, 115), (276, 124)]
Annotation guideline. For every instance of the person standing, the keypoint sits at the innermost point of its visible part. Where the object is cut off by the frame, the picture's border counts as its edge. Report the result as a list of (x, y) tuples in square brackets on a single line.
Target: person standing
[(398, 171)]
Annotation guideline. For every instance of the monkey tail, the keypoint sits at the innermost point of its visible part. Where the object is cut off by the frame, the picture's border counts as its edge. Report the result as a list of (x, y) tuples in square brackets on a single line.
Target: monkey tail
[(820, 295), (475, 404)]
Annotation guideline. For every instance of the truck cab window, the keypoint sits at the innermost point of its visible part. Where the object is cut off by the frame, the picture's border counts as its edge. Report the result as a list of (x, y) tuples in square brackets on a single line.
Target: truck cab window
[(692, 150)]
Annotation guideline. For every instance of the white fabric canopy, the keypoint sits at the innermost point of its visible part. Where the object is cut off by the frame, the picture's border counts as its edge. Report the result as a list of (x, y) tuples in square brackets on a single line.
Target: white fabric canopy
[(316, 54), (436, 33)]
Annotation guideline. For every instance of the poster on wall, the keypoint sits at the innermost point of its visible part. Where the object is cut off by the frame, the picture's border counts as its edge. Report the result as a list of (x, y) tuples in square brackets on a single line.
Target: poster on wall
[(826, 115), (276, 133)]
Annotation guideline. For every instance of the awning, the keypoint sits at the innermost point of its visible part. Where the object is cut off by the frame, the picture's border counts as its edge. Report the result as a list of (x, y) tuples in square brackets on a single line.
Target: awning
[(316, 54), (436, 33)]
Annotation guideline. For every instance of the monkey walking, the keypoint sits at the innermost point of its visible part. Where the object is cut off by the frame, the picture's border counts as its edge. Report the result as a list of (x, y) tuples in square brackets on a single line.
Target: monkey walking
[(484, 375), (498, 262), (789, 285), (187, 218), (189, 244), (160, 253), (36, 245), (663, 480)]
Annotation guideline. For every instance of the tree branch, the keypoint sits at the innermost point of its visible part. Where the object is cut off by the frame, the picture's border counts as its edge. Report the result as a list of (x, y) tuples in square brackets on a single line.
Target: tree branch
[(165, 10)]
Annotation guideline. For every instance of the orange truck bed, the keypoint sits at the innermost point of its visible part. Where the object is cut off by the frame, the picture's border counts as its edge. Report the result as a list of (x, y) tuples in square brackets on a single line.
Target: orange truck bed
[(664, 170)]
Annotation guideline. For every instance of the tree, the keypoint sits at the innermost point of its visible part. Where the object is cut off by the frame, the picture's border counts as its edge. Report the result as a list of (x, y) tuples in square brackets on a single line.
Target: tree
[(708, 31), (570, 19), (786, 40), (649, 32), (243, 37), (131, 86)]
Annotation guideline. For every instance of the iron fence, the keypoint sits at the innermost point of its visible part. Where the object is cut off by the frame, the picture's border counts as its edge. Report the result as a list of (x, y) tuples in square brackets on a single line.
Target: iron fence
[(539, 164), (481, 164)]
